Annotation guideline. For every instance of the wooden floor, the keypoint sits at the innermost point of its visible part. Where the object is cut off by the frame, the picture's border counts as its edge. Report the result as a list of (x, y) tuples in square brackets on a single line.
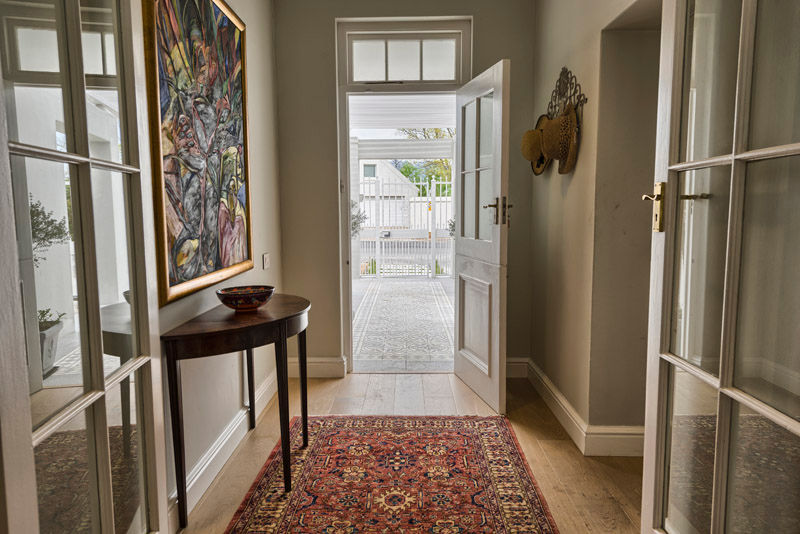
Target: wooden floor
[(584, 494)]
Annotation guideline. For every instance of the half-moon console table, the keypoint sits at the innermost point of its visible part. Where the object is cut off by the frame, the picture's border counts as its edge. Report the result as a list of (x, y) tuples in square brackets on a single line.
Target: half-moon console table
[(222, 331)]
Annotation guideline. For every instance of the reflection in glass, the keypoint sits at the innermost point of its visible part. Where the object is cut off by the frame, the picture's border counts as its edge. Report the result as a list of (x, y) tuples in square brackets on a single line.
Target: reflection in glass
[(470, 138), (102, 83), (439, 59), (486, 196), (110, 192), (403, 60), (767, 357), (369, 61), (127, 467), (763, 476), (468, 207), (486, 130), (63, 476), (709, 78), (699, 269), (690, 454), (775, 99), (45, 244), (34, 73)]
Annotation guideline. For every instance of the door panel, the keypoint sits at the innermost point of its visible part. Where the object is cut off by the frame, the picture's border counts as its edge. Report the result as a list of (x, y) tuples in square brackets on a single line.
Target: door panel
[(722, 417), (481, 233)]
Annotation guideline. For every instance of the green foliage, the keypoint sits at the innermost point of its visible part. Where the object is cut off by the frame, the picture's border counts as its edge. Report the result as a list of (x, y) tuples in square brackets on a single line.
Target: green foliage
[(46, 230), (422, 173), (371, 267), (47, 318), (357, 218)]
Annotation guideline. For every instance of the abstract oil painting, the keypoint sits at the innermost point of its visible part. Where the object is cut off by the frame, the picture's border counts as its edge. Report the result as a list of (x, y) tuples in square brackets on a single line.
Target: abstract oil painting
[(198, 123)]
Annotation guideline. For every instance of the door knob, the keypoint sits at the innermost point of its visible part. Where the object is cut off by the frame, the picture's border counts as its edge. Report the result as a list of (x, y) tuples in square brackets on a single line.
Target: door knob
[(496, 206)]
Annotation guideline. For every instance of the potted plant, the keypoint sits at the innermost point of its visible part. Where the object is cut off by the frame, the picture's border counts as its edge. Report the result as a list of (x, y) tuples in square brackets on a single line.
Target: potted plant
[(46, 231), (50, 325)]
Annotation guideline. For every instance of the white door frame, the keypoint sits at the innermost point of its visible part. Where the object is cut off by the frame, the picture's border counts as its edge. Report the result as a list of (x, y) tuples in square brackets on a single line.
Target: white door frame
[(18, 497), (668, 163), (381, 26)]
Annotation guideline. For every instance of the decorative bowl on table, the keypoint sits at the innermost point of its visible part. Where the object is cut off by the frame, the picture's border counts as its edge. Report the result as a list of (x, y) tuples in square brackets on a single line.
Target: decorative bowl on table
[(245, 298)]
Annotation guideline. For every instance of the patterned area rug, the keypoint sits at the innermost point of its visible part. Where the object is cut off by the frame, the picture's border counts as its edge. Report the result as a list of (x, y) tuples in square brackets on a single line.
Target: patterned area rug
[(403, 319), (62, 476), (443, 475)]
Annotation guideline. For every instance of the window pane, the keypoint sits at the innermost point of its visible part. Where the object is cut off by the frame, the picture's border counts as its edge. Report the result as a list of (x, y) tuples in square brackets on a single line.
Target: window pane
[(699, 269), (690, 454), (709, 86), (439, 59), (127, 468), (487, 196), (37, 49), (775, 99), (32, 43), (369, 61), (487, 130), (403, 60), (63, 479), (45, 242), (468, 207), (112, 230), (767, 361), (369, 171), (470, 138), (763, 476), (103, 116), (92, 52)]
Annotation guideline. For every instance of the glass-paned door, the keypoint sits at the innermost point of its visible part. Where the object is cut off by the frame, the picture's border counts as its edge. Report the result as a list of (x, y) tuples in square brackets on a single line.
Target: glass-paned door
[(77, 211), (722, 438)]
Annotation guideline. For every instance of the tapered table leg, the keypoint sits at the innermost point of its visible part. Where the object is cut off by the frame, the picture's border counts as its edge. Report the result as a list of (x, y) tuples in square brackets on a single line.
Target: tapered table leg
[(301, 342), (251, 389), (282, 369), (176, 414)]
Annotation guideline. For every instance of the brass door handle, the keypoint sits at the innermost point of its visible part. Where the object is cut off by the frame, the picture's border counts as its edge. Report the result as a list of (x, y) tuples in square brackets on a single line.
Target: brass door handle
[(658, 206), (496, 206), (492, 205)]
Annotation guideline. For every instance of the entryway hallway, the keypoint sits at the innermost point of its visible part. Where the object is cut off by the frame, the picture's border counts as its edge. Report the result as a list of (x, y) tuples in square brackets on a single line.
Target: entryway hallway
[(584, 494), (403, 325)]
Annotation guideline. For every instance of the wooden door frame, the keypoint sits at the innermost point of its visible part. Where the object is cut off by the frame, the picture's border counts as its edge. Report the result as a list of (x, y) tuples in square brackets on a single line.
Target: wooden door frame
[(378, 25)]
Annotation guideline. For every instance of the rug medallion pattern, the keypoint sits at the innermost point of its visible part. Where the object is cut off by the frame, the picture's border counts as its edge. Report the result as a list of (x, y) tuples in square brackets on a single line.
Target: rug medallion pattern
[(441, 475)]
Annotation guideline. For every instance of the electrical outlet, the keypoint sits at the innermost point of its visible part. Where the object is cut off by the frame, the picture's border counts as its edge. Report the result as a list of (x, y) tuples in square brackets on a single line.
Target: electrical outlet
[(265, 261)]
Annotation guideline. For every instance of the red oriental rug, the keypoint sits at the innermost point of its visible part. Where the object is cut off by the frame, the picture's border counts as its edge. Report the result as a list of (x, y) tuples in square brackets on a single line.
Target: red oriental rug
[(443, 475)]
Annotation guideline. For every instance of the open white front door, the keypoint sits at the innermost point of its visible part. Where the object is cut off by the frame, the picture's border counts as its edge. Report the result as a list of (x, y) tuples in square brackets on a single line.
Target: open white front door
[(481, 233)]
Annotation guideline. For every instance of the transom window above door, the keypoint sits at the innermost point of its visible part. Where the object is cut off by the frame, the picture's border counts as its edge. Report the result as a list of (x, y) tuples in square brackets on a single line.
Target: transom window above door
[(414, 51)]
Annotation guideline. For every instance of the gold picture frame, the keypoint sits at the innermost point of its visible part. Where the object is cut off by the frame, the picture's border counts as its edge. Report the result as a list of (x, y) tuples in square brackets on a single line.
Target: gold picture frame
[(181, 255)]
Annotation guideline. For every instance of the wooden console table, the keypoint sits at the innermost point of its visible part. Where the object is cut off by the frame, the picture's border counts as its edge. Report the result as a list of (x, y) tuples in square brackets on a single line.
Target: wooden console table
[(221, 331)]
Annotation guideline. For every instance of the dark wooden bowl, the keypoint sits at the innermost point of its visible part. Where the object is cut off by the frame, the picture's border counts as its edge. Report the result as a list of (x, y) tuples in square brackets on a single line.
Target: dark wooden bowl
[(245, 298)]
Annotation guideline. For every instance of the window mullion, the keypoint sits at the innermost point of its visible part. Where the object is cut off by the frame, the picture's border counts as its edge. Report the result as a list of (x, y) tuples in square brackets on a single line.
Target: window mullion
[(87, 275)]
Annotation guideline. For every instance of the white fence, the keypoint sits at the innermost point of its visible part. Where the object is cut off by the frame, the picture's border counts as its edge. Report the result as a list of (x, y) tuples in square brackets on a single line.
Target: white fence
[(404, 234)]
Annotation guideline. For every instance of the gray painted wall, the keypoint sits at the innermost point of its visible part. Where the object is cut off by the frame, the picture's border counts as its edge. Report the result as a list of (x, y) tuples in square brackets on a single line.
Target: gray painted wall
[(625, 160), (213, 388), (575, 247), (308, 147)]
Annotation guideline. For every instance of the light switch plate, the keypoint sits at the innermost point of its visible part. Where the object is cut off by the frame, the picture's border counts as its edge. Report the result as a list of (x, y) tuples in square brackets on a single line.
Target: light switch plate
[(265, 261)]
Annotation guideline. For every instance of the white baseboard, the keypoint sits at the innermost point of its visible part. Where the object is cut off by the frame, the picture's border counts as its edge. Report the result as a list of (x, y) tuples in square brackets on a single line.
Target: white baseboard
[(517, 367), (591, 440), (320, 367), (203, 473)]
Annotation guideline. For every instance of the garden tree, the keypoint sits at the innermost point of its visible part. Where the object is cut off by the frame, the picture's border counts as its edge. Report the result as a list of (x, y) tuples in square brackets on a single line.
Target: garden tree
[(423, 172)]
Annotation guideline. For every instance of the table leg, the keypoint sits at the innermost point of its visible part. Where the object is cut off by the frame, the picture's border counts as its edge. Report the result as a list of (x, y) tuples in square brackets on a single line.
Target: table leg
[(176, 413), (251, 389), (301, 343), (125, 401), (282, 369)]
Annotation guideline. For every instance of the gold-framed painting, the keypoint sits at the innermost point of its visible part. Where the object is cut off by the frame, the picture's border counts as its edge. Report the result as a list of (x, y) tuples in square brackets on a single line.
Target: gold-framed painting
[(197, 99)]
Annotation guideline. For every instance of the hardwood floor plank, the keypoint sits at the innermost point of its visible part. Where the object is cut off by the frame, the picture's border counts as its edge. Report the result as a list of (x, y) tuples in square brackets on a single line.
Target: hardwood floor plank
[(379, 398), (408, 396)]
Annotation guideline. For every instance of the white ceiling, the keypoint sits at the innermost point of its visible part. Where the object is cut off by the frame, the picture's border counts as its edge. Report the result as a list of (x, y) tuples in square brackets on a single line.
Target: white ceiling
[(402, 111)]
